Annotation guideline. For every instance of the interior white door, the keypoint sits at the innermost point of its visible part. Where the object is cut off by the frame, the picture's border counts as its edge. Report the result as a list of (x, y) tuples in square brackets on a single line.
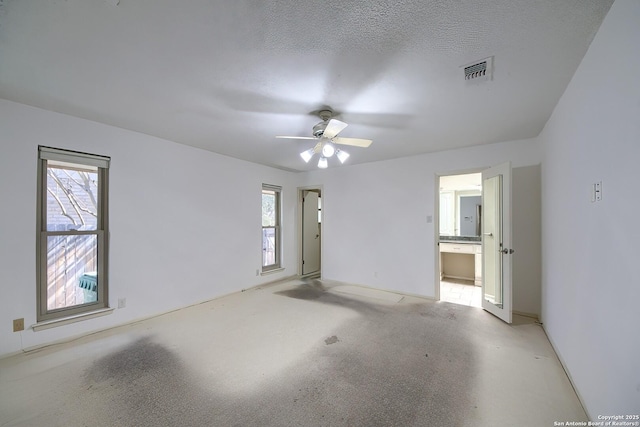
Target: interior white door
[(496, 241), (310, 233)]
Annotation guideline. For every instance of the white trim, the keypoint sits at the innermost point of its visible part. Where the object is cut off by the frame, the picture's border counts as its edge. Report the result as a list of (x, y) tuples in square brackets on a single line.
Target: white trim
[(41, 326), (273, 270), (271, 187), (468, 279), (566, 371), (375, 288), (277, 266), (68, 156), (85, 161), (525, 314)]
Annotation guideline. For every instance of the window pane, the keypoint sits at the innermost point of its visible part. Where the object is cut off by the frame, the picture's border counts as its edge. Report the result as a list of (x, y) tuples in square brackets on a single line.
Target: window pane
[(72, 196), (72, 265), (447, 214), (270, 227), (268, 246), (72, 254), (269, 208)]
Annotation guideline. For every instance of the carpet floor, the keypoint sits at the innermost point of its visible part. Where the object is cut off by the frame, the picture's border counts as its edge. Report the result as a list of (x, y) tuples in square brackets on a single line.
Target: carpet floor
[(297, 353)]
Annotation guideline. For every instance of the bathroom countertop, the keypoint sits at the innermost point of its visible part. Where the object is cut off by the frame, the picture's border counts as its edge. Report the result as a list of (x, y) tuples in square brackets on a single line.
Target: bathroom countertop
[(461, 239)]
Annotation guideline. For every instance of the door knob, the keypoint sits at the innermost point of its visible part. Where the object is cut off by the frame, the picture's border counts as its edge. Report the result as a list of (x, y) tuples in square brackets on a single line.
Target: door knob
[(507, 251)]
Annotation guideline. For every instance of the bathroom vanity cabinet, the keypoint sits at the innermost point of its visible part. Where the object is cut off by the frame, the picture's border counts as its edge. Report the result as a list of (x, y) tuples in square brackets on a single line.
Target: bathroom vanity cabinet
[(461, 260)]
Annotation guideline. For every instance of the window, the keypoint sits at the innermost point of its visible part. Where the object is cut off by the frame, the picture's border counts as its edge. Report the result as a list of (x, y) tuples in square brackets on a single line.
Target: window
[(270, 227), (72, 233), (447, 213)]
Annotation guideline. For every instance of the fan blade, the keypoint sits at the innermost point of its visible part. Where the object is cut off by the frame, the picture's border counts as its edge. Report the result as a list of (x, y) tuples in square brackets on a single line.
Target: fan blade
[(356, 142), (333, 128), (317, 148), (296, 137)]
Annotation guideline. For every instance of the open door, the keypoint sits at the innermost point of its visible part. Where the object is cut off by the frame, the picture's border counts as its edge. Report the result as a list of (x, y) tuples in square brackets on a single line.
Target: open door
[(496, 241), (310, 233)]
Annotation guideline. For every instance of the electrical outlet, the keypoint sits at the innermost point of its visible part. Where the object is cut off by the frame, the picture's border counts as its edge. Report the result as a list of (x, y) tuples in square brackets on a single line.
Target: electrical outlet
[(18, 325), (122, 302)]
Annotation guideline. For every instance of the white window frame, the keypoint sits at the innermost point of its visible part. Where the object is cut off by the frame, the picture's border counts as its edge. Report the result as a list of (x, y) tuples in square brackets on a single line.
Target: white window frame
[(277, 228), (447, 213), (46, 154)]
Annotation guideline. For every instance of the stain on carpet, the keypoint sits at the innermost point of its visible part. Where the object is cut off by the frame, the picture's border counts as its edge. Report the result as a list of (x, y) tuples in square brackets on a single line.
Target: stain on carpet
[(331, 340), (145, 383), (307, 291)]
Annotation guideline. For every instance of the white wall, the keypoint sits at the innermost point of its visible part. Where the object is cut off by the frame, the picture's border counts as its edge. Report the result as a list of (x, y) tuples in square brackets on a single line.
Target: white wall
[(185, 223), (591, 289), (526, 239), (375, 229)]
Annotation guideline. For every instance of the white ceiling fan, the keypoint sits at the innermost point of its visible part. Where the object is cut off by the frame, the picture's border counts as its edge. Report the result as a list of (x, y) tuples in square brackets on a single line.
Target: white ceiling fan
[(326, 133)]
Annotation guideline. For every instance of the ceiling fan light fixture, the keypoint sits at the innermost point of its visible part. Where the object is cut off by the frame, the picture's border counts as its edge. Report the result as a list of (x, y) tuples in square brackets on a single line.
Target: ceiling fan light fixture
[(328, 149), (307, 155), (342, 155), (325, 135)]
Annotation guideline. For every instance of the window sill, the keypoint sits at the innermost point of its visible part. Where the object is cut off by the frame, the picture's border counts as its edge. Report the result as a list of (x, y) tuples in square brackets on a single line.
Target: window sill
[(41, 326), (275, 270)]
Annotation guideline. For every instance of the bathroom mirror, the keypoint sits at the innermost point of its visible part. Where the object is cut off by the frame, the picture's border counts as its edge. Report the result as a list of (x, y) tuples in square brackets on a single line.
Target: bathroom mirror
[(461, 205), (469, 215)]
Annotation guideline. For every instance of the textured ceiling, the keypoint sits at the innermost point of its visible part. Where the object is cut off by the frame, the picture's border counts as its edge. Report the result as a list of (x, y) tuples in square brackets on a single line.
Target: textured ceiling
[(229, 76)]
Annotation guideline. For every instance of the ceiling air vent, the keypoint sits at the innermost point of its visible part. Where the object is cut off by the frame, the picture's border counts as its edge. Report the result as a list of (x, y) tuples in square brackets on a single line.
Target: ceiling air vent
[(479, 71)]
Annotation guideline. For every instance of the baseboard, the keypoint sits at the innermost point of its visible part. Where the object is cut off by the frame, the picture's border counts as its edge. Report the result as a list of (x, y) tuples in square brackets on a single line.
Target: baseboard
[(525, 314), (567, 372), (12, 354), (261, 285), (315, 275), (469, 279), (408, 294), (39, 347)]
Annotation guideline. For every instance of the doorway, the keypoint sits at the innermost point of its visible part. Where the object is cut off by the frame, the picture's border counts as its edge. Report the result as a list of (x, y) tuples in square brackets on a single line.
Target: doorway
[(460, 242), (310, 241), (474, 246)]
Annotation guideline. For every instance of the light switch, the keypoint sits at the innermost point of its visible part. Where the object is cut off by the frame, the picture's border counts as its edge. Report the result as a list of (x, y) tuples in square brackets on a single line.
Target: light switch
[(596, 192)]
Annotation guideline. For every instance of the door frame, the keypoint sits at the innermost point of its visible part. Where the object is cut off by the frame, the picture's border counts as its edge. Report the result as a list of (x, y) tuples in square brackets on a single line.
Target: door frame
[(436, 220), (300, 193)]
